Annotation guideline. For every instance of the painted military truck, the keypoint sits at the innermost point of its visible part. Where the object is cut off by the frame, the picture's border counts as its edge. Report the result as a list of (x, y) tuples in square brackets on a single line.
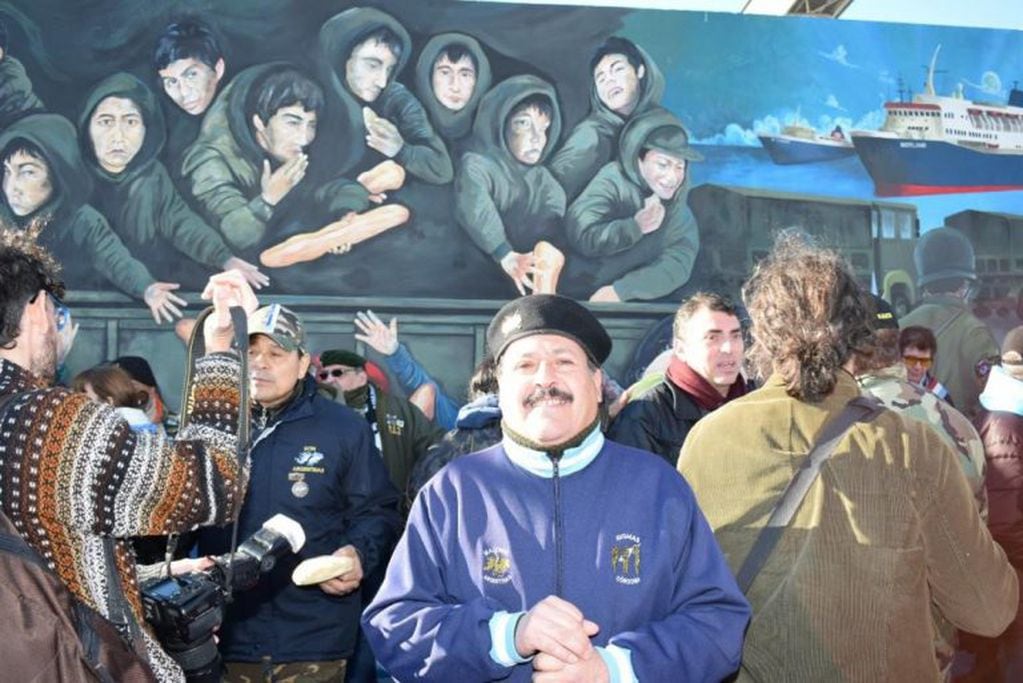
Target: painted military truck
[(997, 240), (738, 226)]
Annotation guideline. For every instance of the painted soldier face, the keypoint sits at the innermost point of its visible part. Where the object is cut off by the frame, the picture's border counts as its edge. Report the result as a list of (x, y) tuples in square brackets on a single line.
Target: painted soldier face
[(191, 83), (288, 132), (343, 377), (117, 131), (453, 82), (712, 345), (27, 184), (547, 390), (369, 69), (618, 83), (273, 371), (526, 134), (663, 173)]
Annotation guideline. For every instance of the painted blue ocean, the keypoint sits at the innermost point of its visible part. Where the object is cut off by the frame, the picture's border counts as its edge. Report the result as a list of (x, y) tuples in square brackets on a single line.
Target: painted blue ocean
[(844, 178)]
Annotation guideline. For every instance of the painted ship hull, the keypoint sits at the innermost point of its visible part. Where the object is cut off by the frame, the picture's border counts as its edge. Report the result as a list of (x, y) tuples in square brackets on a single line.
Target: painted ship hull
[(902, 167), (787, 150)]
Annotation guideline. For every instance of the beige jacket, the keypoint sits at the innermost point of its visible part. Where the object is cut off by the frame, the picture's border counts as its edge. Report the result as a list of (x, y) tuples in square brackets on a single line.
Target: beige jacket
[(888, 527)]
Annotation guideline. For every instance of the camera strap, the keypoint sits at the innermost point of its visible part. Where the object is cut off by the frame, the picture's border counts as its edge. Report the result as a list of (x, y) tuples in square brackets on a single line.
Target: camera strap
[(197, 348)]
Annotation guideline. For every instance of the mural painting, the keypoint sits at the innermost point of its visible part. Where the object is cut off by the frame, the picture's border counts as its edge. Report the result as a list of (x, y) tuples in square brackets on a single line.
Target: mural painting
[(473, 151)]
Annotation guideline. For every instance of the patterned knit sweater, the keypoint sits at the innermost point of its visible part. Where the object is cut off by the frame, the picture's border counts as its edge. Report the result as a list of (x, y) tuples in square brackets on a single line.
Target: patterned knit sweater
[(73, 472)]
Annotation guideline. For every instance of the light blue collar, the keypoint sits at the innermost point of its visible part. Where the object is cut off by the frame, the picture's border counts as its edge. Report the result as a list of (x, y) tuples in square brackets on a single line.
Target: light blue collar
[(1003, 392), (573, 459)]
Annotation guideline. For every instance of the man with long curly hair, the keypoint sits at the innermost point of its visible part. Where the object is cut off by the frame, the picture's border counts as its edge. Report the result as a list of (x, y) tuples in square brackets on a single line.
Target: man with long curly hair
[(887, 527)]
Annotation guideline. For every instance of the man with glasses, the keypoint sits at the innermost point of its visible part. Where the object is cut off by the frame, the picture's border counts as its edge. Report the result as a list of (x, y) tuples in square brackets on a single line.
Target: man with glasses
[(91, 482), (918, 347), (401, 431)]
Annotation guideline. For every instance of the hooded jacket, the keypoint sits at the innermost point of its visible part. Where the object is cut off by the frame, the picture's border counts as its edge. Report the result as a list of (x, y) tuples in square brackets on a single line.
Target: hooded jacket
[(423, 154), (454, 126), (16, 96), (141, 203), (601, 223), (224, 166), (594, 140), (75, 233), (504, 204)]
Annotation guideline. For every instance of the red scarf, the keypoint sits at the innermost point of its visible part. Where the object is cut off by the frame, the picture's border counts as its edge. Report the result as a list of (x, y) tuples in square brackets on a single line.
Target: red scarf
[(703, 392)]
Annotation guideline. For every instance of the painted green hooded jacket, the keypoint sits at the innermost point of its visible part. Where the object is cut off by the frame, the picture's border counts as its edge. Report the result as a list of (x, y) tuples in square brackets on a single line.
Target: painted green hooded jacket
[(76, 234), (594, 140), (16, 96), (423, 155), (141, 203), (453, 126), (503, 204), (600, 222), (224, 167)]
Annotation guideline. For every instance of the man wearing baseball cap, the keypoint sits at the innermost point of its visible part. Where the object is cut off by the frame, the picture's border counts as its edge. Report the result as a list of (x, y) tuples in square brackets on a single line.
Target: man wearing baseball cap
[(556, 552), (313, 460)]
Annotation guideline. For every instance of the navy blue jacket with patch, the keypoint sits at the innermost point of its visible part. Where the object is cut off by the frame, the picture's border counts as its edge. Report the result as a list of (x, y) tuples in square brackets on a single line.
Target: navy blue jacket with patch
[(316, 463), (495, 532)]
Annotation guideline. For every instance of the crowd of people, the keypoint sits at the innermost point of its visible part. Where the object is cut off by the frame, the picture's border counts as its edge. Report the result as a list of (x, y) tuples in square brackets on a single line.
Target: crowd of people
[(745, 508)]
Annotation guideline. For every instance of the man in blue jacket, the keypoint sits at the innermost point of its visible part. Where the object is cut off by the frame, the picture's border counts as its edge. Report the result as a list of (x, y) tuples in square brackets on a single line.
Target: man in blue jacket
[(556, 553), (313, 460)]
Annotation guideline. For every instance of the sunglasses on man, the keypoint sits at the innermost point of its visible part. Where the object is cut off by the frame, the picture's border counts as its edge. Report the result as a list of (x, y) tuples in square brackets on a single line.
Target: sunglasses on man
[(919, 361), (336, 372), (60, 309)]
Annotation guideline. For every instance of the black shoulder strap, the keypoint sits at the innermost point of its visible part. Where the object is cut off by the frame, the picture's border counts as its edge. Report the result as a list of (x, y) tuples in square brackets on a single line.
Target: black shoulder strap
[(859, 409)]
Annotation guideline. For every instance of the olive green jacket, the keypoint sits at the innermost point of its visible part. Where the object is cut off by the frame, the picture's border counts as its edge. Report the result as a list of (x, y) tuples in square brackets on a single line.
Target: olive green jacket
[(965, 348), (888, 527)]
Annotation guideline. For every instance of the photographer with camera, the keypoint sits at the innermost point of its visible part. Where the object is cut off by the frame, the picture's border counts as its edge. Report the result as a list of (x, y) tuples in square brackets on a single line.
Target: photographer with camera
[(314, 461), (76, 482)]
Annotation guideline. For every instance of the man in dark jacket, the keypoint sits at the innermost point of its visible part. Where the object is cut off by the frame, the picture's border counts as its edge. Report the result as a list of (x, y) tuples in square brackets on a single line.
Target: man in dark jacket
[(46, 187), (1000, 424), (626, 82), (704, 374), (313, 460), (505, 198), (121, 131), (633, 219), (362, 51)]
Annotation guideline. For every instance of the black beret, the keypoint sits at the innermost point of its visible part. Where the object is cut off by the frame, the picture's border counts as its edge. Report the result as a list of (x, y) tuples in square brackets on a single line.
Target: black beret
[(138, 368), (342, 357), (548, 314)]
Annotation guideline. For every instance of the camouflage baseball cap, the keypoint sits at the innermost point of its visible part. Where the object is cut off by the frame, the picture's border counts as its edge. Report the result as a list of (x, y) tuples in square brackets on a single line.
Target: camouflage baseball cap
[(281, 325)]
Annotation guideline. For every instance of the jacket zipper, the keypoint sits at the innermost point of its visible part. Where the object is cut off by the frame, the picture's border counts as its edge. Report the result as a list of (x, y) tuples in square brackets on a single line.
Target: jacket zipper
[(559, 535)]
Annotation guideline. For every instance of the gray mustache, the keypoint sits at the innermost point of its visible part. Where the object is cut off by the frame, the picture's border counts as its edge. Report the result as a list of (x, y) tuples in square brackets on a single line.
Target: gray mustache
[(544, 393)]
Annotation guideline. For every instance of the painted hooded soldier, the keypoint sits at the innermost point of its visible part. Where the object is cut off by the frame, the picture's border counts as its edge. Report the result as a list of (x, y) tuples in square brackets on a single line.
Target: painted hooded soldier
[(625, 83), (17, 99), (49, 188), (122, 133), (235, 164), (633, 215), (505, 197), (452, 76), (362, 51)]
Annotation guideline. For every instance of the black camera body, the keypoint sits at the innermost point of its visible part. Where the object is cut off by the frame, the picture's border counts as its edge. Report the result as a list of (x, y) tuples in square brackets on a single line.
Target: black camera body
[(185, 610)]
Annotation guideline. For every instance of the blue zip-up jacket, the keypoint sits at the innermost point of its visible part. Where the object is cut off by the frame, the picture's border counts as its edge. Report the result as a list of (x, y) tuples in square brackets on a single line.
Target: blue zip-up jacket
[(635, 555), (315, 463)]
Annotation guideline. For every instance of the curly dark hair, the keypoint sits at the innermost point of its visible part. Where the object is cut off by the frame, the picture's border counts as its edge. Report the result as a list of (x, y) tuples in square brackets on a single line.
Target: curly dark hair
[(25, 268), (809, 315)]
